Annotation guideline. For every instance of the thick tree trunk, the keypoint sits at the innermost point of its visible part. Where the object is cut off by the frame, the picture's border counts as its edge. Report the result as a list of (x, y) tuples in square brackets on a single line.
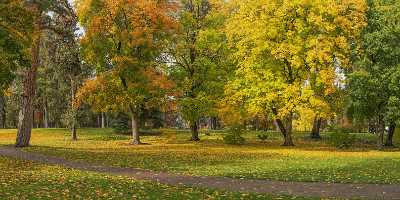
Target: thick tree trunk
[(285, 130), (25, 119), (389, 139), (315, 132), (194, 128), (135, 129), (2, 110), (289, 128), (381, 132)]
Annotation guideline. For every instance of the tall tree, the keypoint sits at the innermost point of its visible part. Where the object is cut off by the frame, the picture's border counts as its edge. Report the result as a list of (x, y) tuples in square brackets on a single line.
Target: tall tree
[(281, 44), (122, 39), (199, 55), (62, 71), (40, 12), (374, 83)]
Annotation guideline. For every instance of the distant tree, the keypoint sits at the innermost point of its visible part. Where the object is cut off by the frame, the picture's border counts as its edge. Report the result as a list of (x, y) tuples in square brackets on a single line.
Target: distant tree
[(280, 45), (123, 39), (62, 71), (374, 84)]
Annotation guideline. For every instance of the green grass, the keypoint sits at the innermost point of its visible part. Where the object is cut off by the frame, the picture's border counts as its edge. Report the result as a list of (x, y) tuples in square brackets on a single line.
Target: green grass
[(308, 161), (26, 180)]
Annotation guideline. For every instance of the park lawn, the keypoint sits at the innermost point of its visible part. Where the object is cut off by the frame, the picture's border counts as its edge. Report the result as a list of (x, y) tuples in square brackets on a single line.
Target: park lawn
[(26, 180), (307, 161)]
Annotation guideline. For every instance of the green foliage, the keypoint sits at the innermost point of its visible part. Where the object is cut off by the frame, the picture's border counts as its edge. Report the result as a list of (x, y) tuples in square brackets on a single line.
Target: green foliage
[(120, 124), (263, 137), (341, 138), (234, 136), (14, 39), (200, 58), (374, 84)]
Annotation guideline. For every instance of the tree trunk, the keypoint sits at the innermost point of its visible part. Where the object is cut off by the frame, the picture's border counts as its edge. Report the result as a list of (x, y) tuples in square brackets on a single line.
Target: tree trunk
[(73, 110), (289, 128), (389, 139), (45, 116), (103, 123), (2, 110), (285, 130), (315, 133), (265, 123), (73, 132), (257, 124), (381, 131), (194, 128), (135, 129), (25, 118)]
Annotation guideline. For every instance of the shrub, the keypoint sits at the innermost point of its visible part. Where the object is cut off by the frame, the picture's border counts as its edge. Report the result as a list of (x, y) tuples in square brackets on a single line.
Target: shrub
[(262, 137), (342, 139), (120, 124), (234, 136)]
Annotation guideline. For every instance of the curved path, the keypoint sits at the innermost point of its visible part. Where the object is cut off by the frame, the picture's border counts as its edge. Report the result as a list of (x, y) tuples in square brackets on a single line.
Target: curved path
[(306, 189)]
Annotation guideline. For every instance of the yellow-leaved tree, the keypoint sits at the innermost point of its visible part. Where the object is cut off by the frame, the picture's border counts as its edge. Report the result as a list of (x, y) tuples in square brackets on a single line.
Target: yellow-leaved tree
[(285, 49)]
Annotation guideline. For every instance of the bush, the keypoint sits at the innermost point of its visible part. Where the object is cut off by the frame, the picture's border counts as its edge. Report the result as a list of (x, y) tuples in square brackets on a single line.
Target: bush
[(262, 137), (342, 139), (120, 124), (234, 136)]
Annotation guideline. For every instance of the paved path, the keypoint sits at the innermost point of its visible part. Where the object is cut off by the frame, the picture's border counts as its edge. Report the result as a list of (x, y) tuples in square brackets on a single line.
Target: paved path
[(306, 189)]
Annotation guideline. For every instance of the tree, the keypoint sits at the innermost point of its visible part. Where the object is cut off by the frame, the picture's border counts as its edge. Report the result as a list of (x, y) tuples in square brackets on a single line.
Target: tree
[(62, 71), (14, 38), (198, 54), (33, 17), (123, 39), (280, 45), (374, 83)]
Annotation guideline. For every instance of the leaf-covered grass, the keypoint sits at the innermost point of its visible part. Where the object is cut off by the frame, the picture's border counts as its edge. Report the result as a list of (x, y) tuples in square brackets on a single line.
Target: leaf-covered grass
[(309, 160), (27, 180)]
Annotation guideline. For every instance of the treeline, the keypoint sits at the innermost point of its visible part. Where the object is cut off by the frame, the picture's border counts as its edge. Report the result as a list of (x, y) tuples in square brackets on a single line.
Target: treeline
[(300, 65)]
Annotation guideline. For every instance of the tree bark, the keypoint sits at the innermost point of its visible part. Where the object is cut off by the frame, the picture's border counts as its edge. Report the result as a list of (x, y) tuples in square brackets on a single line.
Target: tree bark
[(315, 132), (73, 110), (2, 110), (381, 131), (135, 129), (195, 131), (103, 123), (45, 116), (213, 123), (389, 139), (265, 123), (25, 118), (289, 128), (285, 130)]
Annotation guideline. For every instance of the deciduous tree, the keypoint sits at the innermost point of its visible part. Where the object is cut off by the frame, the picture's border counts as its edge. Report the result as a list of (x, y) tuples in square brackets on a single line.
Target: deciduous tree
[(122, 39), (281, 44)]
